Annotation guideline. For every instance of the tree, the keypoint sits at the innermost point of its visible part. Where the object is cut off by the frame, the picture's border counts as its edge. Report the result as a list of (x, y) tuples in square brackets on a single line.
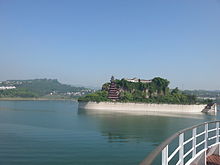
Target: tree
[(175, 91)]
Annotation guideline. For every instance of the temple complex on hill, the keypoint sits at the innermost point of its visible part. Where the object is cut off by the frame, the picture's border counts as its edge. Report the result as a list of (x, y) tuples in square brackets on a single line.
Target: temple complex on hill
[(113, 92)]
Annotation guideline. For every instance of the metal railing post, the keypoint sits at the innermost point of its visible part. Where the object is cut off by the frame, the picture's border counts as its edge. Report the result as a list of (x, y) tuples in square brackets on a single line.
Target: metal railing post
[(181, 151), (165, 156), (217, 136), (206, 135), (206, 139), (194, 142), (217, 132)]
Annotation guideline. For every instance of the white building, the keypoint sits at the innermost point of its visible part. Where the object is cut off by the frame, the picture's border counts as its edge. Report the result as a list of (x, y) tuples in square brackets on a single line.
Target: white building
[(7, 87), (138, 80)]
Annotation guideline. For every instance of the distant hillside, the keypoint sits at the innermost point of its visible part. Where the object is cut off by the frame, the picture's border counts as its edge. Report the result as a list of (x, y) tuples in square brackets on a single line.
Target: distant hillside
[(205, 94), (41, 88)]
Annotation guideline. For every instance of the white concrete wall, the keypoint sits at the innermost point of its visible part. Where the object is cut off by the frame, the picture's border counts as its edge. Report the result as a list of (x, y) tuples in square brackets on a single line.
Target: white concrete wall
[(141, 107)]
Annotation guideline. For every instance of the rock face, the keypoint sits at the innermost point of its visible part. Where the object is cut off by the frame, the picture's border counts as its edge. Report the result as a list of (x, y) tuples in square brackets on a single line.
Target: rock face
[(210, 108), (116, 106)]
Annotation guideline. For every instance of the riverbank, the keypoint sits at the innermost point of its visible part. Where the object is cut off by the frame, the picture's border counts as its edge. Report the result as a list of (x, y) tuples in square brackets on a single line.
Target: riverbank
[(32, 99), (144, 107)]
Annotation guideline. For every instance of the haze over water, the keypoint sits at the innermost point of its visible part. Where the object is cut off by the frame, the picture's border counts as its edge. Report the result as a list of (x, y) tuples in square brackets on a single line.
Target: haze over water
[(55, 132)]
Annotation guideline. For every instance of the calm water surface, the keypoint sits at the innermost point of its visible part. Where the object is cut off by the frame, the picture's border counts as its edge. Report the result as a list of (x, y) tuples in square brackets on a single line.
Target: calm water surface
[(56, 132)]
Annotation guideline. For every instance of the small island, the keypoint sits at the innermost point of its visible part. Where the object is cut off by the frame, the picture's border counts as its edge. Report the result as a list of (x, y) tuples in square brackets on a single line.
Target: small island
[(144, 95)]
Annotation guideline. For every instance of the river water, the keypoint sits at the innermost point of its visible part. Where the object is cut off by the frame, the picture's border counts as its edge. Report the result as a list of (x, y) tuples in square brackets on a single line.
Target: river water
[(57, 133)]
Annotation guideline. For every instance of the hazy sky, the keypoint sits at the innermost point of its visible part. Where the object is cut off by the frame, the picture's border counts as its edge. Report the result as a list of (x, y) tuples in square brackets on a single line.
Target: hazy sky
[(86, 41)]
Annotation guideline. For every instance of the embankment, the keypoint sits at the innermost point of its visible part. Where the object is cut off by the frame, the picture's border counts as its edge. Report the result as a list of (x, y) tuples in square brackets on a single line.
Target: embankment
[(144, 107)]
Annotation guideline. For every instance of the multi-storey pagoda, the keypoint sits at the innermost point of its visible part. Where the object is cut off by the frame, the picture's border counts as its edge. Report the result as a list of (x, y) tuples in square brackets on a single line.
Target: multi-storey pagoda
[(113, 92)]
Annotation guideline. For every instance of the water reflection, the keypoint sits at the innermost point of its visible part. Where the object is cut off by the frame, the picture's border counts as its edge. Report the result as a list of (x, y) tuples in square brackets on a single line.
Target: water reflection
[(138, 127), (140, 113)]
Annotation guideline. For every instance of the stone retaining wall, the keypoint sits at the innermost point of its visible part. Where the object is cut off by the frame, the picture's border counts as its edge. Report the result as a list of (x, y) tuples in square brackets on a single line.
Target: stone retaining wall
[(116, 106)]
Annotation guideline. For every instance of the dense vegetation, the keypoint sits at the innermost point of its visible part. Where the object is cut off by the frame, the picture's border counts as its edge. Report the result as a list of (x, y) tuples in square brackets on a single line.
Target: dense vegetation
[(156, 91), (21, 92), (39, 88)]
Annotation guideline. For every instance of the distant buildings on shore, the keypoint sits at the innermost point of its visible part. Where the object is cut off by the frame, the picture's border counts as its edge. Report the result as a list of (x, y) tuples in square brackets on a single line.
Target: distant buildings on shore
[(79, 93), (7, 87), (206, 98)]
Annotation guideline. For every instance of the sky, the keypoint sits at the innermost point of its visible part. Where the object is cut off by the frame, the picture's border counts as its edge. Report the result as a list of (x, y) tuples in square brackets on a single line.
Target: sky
[(84, 42)]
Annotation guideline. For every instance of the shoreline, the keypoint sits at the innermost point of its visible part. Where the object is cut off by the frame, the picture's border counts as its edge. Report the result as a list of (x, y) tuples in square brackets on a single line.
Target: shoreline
[(33, 99), (143, 107)]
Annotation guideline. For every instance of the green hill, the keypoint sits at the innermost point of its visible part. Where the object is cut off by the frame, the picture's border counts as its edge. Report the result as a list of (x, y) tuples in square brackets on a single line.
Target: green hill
[(41, 88)]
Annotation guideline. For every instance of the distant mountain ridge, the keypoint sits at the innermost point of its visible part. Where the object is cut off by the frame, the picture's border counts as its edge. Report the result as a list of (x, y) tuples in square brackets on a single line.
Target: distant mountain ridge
[(41, 88)]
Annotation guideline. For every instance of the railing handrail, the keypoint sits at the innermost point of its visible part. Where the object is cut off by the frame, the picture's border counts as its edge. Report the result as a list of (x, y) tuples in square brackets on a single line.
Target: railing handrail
[(151, 157)]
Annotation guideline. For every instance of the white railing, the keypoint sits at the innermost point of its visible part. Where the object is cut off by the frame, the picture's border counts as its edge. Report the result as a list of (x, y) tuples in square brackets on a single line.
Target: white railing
[(192, 142)]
